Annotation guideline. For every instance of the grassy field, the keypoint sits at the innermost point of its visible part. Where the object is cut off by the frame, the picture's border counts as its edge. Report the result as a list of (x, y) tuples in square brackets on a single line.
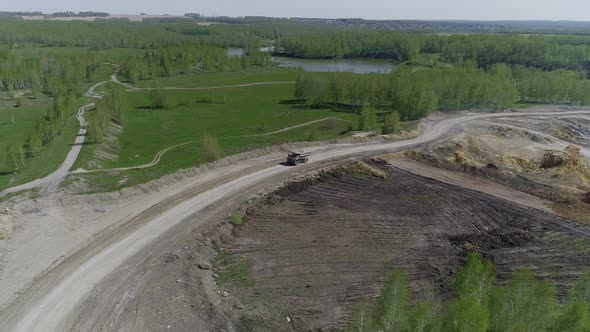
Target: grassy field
[(239, 118)]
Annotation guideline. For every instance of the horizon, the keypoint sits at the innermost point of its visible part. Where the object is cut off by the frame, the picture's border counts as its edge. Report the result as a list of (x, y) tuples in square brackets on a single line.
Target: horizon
[(420, 10)]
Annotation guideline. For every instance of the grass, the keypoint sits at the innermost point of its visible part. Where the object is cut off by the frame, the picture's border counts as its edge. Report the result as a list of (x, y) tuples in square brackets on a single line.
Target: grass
[(236, 218), (253, 75), (232, 270), (233, 118)]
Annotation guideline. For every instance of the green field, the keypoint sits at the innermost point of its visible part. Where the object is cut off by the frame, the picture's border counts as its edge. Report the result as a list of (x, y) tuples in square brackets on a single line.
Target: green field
[(237, 117), (224, 78)]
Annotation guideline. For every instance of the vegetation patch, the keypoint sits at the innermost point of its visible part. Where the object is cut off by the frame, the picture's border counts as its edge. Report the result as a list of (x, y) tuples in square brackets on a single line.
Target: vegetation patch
[(232, 270)]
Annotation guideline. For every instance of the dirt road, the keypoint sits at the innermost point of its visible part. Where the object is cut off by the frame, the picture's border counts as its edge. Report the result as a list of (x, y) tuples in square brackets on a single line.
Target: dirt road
[(53, 301)]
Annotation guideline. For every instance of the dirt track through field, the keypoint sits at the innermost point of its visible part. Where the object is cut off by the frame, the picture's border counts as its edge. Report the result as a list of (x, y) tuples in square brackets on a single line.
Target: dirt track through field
[(132, 88)]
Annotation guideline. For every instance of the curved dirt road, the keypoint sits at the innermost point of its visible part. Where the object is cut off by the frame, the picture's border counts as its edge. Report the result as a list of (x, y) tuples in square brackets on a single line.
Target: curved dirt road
[(51, 181), (132, 88), (53, 301)]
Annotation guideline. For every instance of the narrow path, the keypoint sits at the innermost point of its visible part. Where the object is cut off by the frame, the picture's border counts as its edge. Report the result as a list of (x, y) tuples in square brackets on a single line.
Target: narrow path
[(152, 163), (295, 127), (51, 181)]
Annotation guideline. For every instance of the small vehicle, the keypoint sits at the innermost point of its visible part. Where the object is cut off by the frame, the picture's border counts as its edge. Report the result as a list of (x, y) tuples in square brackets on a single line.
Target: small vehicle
[(296, 158)]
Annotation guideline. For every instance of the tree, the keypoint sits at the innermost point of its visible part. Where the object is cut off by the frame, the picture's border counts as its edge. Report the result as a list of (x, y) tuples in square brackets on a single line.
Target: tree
[(95, 130), (391, 312), (523, 304), (392, 123), (368, 118), (466, 314), (361, 321), (12, 156), (35, 142), (114, 104), (157, 98), (304, 86), (474, 279), (21, 151)]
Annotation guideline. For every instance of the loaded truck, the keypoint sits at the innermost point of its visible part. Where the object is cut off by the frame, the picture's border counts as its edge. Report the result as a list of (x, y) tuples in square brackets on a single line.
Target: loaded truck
[(299, 157)]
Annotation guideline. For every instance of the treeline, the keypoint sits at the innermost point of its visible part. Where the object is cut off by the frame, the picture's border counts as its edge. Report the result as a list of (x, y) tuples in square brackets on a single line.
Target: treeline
[(416, 94), (80, 14), (558, 87), (47, 73), (352, 44), (522, 303), (545, 52), (106, 34), (171, 61), (25, 13), (108, 110)]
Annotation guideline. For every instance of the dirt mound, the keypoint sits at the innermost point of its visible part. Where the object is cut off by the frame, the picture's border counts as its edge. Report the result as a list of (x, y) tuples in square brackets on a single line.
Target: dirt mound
[(553, 159)]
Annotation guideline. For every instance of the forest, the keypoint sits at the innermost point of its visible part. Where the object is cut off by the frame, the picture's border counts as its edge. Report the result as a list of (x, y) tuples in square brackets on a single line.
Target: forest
[(416, 94), (478, 304), (435, 72), (176, 60), (544, 52)]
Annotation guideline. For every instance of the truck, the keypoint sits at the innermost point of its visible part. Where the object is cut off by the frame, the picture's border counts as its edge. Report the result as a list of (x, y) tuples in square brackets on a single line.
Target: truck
[(297, 157)]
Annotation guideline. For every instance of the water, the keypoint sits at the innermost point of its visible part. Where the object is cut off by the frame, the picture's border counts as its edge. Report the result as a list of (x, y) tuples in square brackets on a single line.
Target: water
[(235, 52), (359, 66)]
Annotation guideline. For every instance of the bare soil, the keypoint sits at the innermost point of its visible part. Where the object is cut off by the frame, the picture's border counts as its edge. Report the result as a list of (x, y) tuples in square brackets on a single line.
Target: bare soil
[(310, 252)]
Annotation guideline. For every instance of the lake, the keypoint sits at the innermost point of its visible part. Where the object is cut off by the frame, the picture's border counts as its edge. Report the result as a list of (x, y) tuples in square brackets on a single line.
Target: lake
[(359, 66)]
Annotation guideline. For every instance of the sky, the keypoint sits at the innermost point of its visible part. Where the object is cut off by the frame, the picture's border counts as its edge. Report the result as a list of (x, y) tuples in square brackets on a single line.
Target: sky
[(370, 9)]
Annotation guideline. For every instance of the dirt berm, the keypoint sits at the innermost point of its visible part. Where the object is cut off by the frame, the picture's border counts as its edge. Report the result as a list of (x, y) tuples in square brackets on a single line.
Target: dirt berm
[(306, 255)]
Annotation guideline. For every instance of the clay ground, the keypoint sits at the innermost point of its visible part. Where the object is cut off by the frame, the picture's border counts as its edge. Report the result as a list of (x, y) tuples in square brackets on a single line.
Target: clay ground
[(308, 254)]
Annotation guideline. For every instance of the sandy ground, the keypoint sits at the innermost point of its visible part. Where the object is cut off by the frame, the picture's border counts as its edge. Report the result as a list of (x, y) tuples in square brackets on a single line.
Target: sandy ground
[(467, 181), (79, 241)]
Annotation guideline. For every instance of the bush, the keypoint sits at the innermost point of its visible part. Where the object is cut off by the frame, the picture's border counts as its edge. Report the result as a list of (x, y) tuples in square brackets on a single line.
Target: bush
[(236, 218), (212, 149)]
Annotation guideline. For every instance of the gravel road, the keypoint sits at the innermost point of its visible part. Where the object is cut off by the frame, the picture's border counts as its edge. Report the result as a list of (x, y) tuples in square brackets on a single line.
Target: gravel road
[(54, 300)]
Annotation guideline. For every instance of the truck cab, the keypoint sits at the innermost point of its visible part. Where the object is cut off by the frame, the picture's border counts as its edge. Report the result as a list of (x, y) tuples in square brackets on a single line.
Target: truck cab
[(297, 157)]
